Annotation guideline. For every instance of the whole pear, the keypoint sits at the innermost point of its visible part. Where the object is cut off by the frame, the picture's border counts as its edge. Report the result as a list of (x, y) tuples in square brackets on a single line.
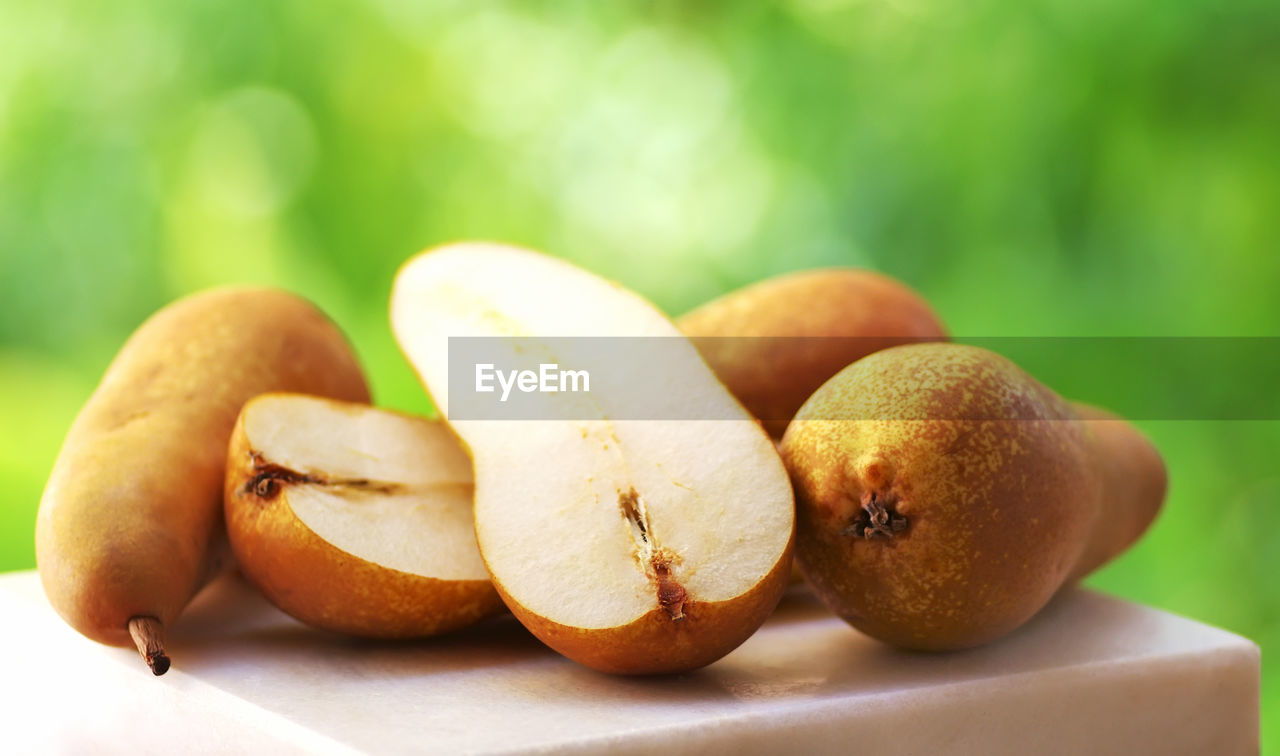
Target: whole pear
[(130, 524), (773, 343), (944, 495)]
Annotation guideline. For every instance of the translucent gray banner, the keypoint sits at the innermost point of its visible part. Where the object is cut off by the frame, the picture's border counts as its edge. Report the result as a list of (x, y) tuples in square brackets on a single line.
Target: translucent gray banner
[(644, 378)]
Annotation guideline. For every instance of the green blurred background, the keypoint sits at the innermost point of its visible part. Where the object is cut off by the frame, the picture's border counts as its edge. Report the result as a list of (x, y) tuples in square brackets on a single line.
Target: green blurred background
[(1041, 167)]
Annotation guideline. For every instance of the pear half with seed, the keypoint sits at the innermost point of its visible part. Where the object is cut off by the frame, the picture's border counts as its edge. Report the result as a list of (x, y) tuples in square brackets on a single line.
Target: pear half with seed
[(355, 519), (631, 542)]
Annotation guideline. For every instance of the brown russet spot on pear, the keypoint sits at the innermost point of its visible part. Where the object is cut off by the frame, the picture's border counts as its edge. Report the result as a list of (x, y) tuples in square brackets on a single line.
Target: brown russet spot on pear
[(944, 496), (130, 524), (773, 343)]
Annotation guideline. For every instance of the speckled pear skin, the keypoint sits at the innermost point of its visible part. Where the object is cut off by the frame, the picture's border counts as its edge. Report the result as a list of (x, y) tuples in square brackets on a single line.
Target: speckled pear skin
[(944, 495), (1134, 484), (773, 343), (130, 523)]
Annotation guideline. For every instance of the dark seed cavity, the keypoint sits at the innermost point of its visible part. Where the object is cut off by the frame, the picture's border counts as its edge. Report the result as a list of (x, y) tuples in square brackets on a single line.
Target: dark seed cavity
[(265, 487), (671, 595), (270, 479), (629, 503)]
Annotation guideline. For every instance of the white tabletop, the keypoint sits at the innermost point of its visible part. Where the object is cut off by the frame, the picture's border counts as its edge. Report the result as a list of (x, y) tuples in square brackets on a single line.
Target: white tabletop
[(1091, 674)]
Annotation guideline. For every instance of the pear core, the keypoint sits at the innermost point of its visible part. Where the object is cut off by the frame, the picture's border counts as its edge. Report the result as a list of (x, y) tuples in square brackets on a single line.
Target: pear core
[(391, 489)]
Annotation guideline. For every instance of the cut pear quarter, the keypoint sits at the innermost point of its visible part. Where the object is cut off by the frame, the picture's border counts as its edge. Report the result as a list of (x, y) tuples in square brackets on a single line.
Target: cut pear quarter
[(633, 546), (355, 519)]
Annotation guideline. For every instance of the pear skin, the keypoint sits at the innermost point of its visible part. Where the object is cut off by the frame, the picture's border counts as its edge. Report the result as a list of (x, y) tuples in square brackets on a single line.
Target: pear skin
[(1133, 473), (773, 343), (130, 524), (944, 495)]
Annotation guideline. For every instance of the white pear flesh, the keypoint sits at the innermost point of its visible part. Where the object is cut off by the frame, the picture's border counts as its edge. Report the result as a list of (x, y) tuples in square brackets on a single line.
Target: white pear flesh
[(629, 545), (355, 519)]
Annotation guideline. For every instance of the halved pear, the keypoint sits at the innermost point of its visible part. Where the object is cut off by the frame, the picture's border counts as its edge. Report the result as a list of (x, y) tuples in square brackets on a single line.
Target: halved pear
[(355, 519), (630, 545)]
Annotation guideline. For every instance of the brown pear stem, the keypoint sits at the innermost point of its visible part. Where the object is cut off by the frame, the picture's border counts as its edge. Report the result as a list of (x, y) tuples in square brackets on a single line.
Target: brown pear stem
[(148, 636)]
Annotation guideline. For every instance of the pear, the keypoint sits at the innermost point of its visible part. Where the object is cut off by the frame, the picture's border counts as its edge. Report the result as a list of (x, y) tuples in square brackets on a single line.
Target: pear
[(1133, 475), (773, 343), (630, 545), (944, 496), (130, 524), (355, 519)]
